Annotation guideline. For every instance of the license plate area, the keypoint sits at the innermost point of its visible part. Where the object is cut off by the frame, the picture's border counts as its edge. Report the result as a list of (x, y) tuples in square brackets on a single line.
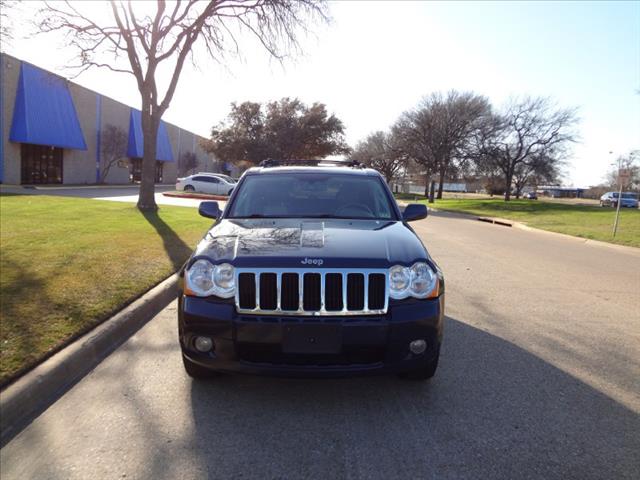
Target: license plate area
[(320, 338)]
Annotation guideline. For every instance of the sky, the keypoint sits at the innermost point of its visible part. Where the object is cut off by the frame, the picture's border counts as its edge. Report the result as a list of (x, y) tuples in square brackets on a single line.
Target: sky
[(378, 59)]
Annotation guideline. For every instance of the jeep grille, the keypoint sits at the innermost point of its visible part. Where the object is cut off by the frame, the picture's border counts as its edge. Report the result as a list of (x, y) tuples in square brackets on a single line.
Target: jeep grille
[(311, 292)]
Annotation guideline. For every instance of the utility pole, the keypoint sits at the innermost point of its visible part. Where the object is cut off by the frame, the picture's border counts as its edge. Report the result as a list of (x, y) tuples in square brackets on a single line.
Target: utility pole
[(615, 223), (623, 176)]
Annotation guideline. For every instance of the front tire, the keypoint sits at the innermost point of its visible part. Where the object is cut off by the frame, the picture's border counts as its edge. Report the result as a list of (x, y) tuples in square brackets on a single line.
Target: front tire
[(424, 373), (196, 371)]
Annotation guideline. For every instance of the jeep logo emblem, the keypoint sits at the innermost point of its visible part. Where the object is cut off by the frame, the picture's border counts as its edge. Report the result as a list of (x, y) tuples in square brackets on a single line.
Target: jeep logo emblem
[(312, 261)]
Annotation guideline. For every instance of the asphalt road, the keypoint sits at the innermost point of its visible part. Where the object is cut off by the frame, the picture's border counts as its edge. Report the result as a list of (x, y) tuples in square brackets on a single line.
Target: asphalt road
[(539, 378)]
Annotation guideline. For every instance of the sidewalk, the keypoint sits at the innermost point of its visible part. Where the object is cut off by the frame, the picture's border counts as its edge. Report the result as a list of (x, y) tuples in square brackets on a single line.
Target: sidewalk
[(114, 193)]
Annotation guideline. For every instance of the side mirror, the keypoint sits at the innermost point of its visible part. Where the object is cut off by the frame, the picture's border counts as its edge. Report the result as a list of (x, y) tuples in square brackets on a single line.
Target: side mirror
[(414, 211), (209, 210)]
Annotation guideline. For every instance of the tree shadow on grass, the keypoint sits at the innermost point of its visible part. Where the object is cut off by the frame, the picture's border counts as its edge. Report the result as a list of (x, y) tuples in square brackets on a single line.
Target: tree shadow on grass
[(177, 250), (22, 326), (35, 322), (20, 331)]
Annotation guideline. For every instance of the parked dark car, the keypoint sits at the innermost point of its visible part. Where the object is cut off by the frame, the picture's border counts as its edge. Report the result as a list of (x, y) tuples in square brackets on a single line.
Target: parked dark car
[(610, 199), (311, 271), (530, 196)]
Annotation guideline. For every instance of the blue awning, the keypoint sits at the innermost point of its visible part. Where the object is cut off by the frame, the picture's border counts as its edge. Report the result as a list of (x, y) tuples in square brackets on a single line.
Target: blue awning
[(136, 139), (44, 113)]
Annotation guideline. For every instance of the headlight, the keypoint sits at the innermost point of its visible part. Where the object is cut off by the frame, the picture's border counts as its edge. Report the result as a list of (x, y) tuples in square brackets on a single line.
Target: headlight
[(423, 280), (399, 281), (419, 281), (203, 279), (224, 280), (199, 278)]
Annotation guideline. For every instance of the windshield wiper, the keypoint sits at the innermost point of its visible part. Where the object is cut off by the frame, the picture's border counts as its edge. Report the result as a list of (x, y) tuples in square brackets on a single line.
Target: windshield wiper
[(339, 217), (326, 215), (260, 215)]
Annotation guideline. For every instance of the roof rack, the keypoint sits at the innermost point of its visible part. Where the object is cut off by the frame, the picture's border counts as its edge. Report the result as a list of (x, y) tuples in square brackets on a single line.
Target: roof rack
[(269, 162)]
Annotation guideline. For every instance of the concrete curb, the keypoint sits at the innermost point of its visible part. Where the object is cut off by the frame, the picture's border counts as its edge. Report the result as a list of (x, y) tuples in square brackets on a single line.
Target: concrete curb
[(107, 186), (196, 196), (496, 221), (524, 226), (86, 187), (22, 401), (588, 241)]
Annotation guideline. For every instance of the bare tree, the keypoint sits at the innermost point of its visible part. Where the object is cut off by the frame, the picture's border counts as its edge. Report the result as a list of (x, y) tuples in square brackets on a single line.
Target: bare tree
[(379, 152), (412, 140), (543, 168), (438, 132), (187, 162), (528, 130), (6, 25), (113, 147), (460, 115), (630, 162), (165, 39)]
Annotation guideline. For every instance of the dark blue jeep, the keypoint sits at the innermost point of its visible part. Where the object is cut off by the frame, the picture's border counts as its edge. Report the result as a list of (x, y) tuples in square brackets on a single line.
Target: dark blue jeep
[(311, 271)]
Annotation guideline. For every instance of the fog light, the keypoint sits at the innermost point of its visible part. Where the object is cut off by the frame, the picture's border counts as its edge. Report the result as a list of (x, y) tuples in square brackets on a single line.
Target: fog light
[(418, 346), (203, 344)]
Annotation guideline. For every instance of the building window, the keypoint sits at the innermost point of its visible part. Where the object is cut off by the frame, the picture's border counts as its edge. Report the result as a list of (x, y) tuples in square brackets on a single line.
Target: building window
[(135, 173), (159, 172), (40, 164)]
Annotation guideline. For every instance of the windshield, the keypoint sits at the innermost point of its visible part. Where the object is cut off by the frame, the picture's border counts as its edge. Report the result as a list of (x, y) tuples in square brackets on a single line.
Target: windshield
[(625, 195), (315, 195)]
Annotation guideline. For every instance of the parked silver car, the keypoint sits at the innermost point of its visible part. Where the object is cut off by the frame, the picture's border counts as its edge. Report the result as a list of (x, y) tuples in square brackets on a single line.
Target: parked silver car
[(212, 183), (628, 199)]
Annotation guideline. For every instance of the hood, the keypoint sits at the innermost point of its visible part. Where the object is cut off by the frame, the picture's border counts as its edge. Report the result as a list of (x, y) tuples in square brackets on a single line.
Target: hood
[(295, 243)]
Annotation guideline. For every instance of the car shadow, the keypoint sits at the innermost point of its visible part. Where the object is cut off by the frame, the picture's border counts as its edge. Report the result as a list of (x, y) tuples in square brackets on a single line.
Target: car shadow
[(493, 410)]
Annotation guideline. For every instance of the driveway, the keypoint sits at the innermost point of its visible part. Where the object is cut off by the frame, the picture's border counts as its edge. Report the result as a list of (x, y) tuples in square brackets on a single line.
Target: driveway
[(539, 378)]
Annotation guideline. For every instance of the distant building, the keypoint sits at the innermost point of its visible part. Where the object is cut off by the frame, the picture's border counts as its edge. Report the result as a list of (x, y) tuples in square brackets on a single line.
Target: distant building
[(454, 187), (414, 183), (51, 132), (560, 192)]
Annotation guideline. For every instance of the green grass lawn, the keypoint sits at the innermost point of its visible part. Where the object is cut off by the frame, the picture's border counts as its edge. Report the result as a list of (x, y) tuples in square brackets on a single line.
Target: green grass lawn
[(578, 220), (66, 264)]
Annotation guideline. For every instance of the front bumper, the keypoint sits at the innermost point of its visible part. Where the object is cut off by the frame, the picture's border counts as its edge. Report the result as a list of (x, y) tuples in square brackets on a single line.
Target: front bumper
[(256, 344)]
